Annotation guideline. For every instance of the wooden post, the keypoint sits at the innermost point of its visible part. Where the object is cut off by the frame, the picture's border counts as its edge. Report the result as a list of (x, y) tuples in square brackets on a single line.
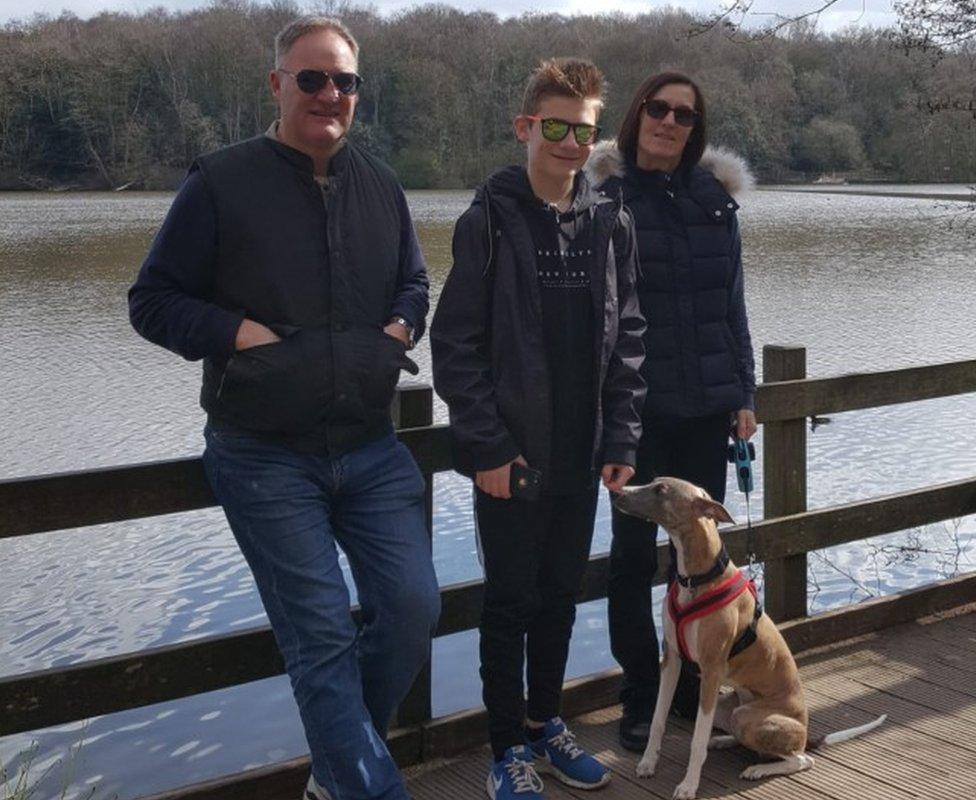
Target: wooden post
[(413, 407), (785, 485)]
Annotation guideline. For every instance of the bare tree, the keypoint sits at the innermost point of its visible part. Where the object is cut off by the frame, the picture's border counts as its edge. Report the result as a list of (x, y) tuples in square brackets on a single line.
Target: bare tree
[(936, 23)]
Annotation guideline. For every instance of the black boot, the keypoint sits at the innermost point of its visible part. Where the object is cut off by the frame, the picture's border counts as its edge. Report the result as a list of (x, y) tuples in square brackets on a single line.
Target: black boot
[(634, 730)]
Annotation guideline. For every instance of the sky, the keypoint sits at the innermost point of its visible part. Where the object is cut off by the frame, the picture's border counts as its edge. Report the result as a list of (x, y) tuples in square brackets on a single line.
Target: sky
[(875, 13)]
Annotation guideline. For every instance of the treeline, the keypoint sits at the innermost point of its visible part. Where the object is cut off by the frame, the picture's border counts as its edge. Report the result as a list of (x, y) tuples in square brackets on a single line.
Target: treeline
[(130, 100)]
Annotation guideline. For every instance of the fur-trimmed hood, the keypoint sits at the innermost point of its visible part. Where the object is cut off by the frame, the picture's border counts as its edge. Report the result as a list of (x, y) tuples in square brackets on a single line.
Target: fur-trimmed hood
[(730, 169)]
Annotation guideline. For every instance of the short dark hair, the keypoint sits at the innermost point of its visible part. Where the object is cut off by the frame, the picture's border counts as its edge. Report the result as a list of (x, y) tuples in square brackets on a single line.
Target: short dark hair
[(630, 127), (298, 28), (563, 77)]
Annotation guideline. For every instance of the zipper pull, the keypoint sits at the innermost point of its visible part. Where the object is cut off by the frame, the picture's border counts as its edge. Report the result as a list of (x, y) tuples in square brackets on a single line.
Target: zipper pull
[(667, 186)]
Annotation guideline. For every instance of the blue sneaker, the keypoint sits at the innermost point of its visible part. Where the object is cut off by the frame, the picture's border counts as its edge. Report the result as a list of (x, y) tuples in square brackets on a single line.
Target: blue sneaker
[(559, 754), (514, 777)]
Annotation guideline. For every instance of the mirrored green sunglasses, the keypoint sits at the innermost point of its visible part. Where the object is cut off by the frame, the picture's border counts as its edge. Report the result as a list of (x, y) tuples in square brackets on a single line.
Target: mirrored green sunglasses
[(555, 130)]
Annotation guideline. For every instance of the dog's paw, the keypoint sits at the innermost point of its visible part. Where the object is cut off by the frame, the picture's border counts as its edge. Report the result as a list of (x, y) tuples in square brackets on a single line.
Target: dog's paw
[(686, 790), (646, 767), (753, 773)]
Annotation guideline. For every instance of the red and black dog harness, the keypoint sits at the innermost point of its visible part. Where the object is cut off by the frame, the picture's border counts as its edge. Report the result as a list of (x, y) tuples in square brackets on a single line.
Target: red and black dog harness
[(711, 601)]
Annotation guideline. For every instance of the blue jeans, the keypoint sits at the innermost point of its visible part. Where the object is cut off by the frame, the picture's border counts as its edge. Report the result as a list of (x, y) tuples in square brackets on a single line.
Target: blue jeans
[(288, 510)]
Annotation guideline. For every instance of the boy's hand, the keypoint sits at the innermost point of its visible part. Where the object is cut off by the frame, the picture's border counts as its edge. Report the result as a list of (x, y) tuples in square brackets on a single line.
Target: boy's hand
[(615, 476), (496, 482)]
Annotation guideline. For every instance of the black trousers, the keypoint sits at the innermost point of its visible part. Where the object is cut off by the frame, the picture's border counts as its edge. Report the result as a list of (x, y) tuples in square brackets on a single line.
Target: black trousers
[(534, 555), (695, 450)]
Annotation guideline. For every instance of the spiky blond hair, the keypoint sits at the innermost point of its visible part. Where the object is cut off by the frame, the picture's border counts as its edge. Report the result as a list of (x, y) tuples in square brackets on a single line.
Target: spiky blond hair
[(563, 77)]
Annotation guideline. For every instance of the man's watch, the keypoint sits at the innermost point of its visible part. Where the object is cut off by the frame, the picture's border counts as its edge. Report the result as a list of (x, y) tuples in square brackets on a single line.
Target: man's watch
[(410, 338)]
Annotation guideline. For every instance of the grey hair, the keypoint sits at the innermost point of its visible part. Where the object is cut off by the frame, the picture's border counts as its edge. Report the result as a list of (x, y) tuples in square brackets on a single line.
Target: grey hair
[(298, 28)]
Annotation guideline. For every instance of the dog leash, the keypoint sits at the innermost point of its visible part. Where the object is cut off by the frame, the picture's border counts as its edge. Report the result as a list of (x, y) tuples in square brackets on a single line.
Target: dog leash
[(742, 454), (750, 549)]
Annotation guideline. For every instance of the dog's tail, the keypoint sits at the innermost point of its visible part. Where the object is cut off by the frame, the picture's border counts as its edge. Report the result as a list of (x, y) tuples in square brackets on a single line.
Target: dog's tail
[(845, 735)]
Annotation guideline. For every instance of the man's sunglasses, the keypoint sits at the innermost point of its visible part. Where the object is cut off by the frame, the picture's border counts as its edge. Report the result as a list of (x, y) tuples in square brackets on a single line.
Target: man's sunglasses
[(658, 109), (311, 81), (555, 130)]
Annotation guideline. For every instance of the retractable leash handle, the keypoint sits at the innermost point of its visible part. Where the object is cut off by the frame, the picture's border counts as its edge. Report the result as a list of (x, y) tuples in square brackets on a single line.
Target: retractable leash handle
[(742, 454)]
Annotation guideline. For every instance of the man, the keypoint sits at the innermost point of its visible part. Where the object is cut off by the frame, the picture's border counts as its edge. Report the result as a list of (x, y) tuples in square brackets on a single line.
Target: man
[(289, 264), (537, 351)]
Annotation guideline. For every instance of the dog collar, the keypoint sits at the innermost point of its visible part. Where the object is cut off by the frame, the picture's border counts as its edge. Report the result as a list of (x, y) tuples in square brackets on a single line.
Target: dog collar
[(691, 581)]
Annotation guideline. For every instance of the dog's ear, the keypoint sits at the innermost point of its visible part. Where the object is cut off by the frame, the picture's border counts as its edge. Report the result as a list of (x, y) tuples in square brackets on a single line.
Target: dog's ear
[(706, 507)]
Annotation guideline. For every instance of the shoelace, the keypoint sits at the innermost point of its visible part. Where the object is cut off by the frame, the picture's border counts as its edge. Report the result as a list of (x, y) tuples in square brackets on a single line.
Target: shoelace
[(565, 741), (524, 776)]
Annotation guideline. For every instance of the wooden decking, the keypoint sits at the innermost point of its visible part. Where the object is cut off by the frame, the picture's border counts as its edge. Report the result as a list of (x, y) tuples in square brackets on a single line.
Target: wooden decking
[(922, 675)]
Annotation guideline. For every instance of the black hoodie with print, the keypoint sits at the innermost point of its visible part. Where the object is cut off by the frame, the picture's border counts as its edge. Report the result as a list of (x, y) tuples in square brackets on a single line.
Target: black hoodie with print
[(564, 262), (521, 353)]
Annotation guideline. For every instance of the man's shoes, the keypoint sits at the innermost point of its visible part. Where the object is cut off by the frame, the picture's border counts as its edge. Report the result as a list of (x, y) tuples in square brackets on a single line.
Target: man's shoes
[(315, 792), (633, 731), (559, 754), (514, 777)]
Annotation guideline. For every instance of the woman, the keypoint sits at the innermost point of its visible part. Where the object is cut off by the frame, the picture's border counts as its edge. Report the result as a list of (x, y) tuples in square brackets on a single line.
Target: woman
[(699, 365)]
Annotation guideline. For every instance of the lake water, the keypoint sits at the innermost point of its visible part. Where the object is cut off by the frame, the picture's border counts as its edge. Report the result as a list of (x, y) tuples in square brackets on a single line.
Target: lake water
[(866, 283)]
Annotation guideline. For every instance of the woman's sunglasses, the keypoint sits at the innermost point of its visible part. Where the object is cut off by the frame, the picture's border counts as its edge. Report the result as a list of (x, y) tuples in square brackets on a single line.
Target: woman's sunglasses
[(658, 109), (555, 130), (311, 81)]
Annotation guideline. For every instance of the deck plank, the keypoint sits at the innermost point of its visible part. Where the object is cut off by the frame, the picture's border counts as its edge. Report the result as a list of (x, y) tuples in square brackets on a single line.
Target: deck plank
[(901, 749), (920, 674)]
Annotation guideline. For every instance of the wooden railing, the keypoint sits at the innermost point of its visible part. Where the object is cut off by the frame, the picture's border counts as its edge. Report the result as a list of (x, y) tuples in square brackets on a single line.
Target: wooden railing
[(785, 401)]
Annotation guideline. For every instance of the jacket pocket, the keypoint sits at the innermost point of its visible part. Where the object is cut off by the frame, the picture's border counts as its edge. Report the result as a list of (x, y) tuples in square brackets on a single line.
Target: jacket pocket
[(281, 387), (368, 363)]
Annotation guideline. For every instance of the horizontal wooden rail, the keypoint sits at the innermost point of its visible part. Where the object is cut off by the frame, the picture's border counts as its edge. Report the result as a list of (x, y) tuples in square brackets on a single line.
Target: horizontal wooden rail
[(49, 697), (783, 400), (851, 522), (77, 499), (113, 494)]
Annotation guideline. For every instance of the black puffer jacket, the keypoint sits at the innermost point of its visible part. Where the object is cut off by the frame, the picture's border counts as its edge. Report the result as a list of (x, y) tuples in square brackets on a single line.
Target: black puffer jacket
[(487, 334), (699, 352)]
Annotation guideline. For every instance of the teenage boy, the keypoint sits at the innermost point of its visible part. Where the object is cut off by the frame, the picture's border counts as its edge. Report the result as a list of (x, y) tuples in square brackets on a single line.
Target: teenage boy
[(537, 351)]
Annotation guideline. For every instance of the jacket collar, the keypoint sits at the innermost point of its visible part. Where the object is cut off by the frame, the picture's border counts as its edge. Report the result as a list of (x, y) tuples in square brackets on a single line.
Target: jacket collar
[(511, 185), (728, 168), (302, 161), (709, 184)]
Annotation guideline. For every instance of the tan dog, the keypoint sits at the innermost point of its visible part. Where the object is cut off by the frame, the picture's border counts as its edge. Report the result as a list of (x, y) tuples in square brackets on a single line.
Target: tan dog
[(767, 710)]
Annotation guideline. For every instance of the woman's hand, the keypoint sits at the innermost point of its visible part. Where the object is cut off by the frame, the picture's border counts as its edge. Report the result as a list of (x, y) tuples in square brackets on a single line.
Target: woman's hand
[(497, 482), (615, 476), (745, 423)]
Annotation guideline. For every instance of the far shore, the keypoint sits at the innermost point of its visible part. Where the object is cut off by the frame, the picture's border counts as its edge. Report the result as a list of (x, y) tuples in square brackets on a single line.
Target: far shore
[(822, 187)]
